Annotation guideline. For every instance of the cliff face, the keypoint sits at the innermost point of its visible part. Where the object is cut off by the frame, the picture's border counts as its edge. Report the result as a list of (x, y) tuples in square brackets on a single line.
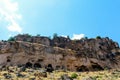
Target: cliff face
[(62, 53), (33, 39)]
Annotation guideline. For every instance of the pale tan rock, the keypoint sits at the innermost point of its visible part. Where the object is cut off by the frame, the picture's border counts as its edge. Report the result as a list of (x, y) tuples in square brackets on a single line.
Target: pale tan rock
[(88, 53)]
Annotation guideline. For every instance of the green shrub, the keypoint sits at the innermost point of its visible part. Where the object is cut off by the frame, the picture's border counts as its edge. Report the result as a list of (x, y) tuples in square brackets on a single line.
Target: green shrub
[(94, 77), (55, 35), (29, 35), (98, 37), (74, 75), (11, 39), (38, 35)]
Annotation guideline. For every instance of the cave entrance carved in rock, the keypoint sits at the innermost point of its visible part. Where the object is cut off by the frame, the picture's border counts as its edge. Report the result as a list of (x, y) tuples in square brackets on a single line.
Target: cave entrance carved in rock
[(28, 65), (49, 68), (37, 65), (8, 60), (82, 68), (97, 67)]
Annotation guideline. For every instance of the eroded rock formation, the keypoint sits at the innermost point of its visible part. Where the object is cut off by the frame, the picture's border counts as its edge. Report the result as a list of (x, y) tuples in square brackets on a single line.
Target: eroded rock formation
[(61, 53)]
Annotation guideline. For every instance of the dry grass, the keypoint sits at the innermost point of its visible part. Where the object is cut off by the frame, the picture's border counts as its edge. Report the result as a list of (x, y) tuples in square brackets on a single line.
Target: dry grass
[(31, 74)]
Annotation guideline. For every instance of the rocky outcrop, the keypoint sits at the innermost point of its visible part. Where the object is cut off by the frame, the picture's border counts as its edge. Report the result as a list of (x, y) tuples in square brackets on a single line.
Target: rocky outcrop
[(33, 39), (61, 53)]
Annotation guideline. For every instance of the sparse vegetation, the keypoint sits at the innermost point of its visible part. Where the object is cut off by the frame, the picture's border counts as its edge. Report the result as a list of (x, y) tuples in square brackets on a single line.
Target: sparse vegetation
[(29, 35), (33, 74), (55, 35), (98, 37), (79, 48), (11, 39), (86, 37), (38, 35), (74, 75)]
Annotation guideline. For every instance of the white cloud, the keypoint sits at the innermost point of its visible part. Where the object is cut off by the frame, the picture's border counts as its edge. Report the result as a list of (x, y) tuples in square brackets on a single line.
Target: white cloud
[(64, 36), (10, 35), (9, 13), (78, 36), (14, 27)]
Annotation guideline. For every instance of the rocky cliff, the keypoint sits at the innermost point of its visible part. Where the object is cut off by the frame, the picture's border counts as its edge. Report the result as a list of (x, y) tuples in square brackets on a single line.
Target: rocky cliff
[(61, 53)]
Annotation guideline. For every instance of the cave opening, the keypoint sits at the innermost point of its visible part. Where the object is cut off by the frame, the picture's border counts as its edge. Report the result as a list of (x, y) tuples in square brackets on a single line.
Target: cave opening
[(28, 65), (8, 60), (97, 67), (49, 68), (37, 65), (40, 60), (57, 67), (82, 68)]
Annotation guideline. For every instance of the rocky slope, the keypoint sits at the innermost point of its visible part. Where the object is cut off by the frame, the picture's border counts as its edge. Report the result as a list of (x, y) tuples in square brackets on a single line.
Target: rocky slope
[(61, 53)]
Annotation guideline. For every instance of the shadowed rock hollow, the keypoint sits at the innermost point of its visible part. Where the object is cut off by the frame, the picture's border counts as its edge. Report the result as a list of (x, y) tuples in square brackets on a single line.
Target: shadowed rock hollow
[(61, 53)]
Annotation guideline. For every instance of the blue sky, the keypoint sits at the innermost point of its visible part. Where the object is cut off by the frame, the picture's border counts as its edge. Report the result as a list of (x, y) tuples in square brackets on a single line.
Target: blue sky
[(76, 18)]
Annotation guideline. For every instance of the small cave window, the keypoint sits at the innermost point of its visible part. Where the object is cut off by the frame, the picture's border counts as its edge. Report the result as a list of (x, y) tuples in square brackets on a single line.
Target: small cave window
[(68, 66), (76, 66), (78, 49), (100, 47), (58, 67), (49, 65), (8, 60), (32, 60), (40, 60)]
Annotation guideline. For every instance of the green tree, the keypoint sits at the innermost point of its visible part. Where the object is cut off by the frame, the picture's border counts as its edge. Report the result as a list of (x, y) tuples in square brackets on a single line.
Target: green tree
[(11, 39), (38, 35), (86, 37), (55, 35), (98, 37), (28, 35), (68, 36)]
